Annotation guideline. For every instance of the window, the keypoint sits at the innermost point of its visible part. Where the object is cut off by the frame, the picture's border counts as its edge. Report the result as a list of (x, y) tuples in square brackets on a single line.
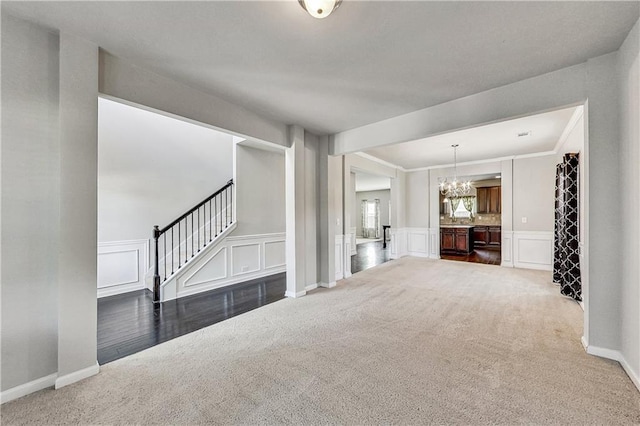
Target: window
[(371, 214)]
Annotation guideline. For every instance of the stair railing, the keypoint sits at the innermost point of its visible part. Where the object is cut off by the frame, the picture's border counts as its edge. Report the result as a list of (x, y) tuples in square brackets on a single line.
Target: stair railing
[(192, 232)]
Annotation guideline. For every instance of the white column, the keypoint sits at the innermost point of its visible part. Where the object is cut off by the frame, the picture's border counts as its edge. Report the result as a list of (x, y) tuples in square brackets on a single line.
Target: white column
[(77, 268), (295, 218)]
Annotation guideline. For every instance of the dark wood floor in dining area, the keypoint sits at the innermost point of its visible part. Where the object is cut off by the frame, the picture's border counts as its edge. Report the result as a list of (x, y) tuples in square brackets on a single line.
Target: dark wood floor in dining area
[(479, 255), (131, 322), (369, 255)]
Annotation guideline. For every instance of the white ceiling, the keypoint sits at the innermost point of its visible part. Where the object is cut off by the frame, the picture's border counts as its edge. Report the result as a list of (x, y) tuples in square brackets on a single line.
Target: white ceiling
[(369, 182), (495, 140), (366, 62)]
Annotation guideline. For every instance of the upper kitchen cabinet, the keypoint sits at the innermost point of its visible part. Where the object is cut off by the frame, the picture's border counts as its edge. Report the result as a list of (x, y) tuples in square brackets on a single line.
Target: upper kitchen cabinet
[(488, 199)]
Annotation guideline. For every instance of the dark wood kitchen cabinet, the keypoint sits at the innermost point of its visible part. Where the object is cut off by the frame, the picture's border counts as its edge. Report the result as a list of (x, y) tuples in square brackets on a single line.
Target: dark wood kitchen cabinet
[(487, 236), (495, 236), (480, 236), (489, 200), (456, 240)]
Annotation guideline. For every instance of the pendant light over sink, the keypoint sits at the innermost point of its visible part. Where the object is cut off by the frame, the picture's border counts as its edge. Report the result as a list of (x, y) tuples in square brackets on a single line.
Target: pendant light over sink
[(320, 8), (451, 187)]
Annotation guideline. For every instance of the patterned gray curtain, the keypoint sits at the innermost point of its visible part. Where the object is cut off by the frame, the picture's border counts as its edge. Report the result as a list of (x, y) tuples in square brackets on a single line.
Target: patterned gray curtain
[(566, 255)]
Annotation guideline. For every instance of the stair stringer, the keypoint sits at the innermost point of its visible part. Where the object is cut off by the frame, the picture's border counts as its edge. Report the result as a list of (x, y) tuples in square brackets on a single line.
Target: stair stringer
[(169, 289)]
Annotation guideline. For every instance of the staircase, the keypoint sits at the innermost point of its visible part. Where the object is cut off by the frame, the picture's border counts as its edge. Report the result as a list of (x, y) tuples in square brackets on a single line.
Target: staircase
[(178, 244)]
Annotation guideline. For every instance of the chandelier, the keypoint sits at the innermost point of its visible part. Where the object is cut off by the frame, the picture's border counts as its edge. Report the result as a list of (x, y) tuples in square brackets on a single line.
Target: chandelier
[(451, 187)]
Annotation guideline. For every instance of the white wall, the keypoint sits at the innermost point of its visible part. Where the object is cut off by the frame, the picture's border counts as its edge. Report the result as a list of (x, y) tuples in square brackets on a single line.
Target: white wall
[(384, 196), (629, 98), (30, 202), (152, 168)]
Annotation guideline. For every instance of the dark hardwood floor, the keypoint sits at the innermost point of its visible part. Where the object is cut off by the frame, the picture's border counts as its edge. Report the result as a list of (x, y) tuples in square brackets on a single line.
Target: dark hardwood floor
[(479, 255), (130, 322), (369, 255)]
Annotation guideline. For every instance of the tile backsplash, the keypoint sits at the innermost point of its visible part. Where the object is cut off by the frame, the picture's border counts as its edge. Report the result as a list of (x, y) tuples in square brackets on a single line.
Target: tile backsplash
[(481, 219)]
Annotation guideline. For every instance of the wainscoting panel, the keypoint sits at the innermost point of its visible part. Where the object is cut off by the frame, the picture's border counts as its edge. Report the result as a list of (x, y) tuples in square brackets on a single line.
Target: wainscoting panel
[(232, 260), (434, 243), (245, 258), (215, 268), (533, 250), (418, 242), (507, 249), (347, 255), (398, 242), (352, 235), (339, 258), (121, 266), (275, 255)]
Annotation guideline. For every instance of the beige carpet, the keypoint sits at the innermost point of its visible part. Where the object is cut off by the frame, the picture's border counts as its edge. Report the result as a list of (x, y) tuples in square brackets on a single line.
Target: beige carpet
[(408, 342)]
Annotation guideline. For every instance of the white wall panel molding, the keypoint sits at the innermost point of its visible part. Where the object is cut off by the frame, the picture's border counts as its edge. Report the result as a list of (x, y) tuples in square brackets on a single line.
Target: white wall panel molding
[(347, 254), (122, 266), (418, 242), (352, 237), (339, 257), (230, 261), (507, 249), (434, 243), (398, 242), (533, 250)]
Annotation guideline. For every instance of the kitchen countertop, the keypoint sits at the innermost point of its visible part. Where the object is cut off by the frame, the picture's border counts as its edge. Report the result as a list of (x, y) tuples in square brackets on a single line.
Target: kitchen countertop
[(458, 226)]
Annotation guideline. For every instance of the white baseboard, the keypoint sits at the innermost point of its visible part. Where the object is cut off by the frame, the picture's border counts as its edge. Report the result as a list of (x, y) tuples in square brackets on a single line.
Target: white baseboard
[(418, 254), (311, 287), (615, 356), (632, 374), (27, 388), (327, 285), (294, 295), (76, 376)]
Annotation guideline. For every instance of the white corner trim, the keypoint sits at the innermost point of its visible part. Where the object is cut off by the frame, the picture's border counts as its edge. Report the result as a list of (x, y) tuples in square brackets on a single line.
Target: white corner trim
[(584, 342), (76, 376), (327, 285), (379, 160), (577, 114), (27, 388), (615, 356), (311, 287), (295, 295)]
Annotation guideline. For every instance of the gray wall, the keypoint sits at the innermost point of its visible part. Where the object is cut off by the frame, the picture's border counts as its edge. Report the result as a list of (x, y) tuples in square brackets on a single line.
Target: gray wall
[(629, 98), (260, 196), (49, 205), (30, 202), (384, 196), (418, 199), (534, 193), (152, 168)]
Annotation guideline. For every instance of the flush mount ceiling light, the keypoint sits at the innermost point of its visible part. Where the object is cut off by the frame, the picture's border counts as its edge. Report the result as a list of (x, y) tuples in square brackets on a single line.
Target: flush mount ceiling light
[(320, 8), (450, 187)]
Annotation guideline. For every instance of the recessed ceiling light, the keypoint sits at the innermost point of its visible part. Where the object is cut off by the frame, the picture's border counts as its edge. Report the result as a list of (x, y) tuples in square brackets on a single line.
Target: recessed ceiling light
[(522, 134)]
